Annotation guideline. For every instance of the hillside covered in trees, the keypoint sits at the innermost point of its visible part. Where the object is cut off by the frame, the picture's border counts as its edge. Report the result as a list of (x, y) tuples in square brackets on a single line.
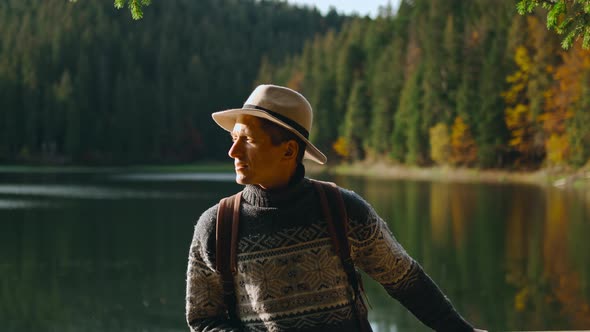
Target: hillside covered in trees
[(80, 82), (448, 82), (468, 83)]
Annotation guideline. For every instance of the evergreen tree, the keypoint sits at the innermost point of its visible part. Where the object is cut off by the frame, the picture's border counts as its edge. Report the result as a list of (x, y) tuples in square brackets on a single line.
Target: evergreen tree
[(568, 18), (406, 139), (355, 130), (387, 83)]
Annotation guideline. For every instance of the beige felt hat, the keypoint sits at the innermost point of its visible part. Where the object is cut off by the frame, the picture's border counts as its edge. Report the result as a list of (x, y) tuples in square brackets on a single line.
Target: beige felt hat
[(283, 106)]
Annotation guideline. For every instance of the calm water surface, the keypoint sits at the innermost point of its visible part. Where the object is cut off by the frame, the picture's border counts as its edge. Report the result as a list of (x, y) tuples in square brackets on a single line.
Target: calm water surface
[(108, 251)]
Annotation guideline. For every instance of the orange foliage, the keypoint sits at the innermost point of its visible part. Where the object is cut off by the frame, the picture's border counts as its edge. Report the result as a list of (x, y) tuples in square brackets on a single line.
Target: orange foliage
[(561, 99), (463, 148), (341, 147)]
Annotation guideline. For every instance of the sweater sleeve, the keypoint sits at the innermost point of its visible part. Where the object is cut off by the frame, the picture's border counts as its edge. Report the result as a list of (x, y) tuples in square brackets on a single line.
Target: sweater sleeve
[(205, 310), (375, 250)]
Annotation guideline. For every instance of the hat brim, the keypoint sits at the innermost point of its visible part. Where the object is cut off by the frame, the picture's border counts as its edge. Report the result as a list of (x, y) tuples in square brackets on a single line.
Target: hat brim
[(227, 120)]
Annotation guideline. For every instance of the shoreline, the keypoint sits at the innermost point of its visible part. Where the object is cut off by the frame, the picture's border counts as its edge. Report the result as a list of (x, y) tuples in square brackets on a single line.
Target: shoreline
[(579, 179), (546, 177)]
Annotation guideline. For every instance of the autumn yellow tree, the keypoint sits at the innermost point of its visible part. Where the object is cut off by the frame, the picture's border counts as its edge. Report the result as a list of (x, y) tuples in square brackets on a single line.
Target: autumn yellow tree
[(440, 144), (463, 147), (534, 59), (518, 116), (561, 102), (341, 147)]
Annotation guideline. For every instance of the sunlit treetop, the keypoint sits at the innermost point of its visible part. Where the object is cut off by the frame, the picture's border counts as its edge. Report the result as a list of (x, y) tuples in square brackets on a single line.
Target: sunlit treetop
[(135, 6), (570, 18)]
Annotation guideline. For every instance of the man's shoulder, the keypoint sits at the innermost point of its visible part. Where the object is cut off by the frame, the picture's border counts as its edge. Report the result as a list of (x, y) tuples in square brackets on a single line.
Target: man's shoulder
[(205, 225), (208, 218), (356, 206), (355, 203), (209, 214)]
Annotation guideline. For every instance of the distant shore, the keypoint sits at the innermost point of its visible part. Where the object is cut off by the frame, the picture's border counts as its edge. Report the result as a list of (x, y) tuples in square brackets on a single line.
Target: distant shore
[(561, 178), (543, 177)]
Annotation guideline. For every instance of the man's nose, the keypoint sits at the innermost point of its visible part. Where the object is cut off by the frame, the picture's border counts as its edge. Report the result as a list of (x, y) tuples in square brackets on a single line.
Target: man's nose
[(234, 149)]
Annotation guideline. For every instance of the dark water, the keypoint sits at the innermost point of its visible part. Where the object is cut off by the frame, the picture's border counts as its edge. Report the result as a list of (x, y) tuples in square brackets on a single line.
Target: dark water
[(107, 251)]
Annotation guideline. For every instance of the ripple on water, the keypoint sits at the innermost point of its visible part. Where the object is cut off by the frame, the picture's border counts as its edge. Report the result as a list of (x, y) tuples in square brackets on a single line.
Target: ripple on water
[(14, 204), (216, 177), (88, 192)]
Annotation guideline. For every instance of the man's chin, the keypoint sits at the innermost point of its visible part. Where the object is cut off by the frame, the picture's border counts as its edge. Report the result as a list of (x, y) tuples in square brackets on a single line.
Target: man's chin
[(241, 179)]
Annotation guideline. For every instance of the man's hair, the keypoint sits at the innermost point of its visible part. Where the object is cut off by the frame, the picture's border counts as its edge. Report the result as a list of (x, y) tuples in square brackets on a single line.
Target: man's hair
[(279, 134)]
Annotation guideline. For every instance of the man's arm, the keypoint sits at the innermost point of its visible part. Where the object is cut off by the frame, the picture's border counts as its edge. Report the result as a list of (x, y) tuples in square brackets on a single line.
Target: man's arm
[(205, 310), (375, 250), (419, 294)]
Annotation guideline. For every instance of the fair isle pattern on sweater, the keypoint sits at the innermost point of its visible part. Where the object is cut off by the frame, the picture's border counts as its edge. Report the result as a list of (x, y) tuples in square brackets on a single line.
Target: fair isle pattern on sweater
[(289, 277), (292, 278), (295, 279)]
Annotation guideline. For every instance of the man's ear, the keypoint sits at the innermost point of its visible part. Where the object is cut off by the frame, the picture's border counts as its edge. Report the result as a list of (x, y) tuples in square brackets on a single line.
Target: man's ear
[(291, 149)]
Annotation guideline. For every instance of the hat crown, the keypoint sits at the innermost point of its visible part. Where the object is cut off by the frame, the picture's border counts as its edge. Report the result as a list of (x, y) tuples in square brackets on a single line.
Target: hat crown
[(284, 101)]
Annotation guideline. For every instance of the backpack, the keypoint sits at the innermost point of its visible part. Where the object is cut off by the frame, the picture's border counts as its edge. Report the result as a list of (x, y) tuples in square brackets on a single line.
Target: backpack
[(228, 215)]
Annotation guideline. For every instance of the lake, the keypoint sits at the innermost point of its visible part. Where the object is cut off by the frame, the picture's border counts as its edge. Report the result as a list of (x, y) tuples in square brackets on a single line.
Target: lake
[(107, 250)]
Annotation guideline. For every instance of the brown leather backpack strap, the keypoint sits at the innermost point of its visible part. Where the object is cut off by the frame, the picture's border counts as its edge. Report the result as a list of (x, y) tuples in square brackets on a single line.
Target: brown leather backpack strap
[(221, 232), (341, 222), (319, 186), (234, 233), (226, 238), (338, 228)]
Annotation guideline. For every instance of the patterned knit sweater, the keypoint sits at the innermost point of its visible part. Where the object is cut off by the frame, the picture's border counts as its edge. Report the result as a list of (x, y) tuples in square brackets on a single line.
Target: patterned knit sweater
[(289, 276)]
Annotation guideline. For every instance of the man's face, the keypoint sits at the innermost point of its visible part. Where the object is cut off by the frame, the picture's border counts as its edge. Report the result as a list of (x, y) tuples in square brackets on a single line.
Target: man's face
[(257, 161)]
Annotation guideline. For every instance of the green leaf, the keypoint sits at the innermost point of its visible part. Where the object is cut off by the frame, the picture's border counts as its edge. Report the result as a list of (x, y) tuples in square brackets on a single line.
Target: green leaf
[(586, 39), (526, 6), (564, 26), (568, 41), (119, 4), (553, 14), (521, 8)]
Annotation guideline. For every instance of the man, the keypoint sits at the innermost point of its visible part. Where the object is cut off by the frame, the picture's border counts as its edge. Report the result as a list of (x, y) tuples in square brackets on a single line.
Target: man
[(288, 276)]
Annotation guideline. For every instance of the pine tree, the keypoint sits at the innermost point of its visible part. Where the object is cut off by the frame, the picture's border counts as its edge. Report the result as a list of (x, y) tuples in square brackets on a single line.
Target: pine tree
[(355, 130), (387, 83), (406, 145)]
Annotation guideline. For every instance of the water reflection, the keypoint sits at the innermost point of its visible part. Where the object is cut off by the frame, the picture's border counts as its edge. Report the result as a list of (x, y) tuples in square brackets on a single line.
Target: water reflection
[(215, 177), (113, 258), (552, 282), (6, 204), (88, 192), (510, 257)]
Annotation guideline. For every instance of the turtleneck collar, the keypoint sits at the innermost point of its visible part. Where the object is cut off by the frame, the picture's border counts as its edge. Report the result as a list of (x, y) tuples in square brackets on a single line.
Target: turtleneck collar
[(259, 197)]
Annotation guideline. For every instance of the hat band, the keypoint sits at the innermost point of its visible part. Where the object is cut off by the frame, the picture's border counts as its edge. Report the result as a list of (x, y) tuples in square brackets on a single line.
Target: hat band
[(283, 118)]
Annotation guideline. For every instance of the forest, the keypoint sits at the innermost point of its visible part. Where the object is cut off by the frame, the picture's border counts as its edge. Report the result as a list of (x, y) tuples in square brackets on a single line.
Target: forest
[(436, 82), (83, 83), (449, 83)]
